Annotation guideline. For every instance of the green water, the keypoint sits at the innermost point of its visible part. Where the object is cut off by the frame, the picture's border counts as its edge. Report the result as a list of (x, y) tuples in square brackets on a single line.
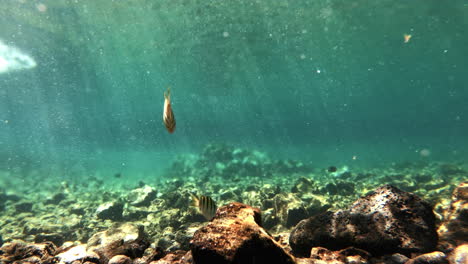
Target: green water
[(320, 81)]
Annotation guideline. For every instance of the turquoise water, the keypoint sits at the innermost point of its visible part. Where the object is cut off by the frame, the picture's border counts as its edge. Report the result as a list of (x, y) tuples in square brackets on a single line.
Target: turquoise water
[(328, 82)]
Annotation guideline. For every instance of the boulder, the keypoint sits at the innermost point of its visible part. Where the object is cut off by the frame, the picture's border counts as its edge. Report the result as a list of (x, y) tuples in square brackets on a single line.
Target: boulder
[(73, 253), (176, 257), (142, 196), (435, 257), (385, 221), (110, 210), (20, 252), (150, 254), (454, 230), (459, 255), (235, 235), (127, 239), (345, 256), (396, 258), (120, 259), (77, 253)]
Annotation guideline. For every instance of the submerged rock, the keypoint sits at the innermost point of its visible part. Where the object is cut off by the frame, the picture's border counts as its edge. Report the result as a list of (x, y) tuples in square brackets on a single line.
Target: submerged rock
[(127, 239), (435, 257), (24, 206), (347, 255), (142, 196), (235, 235), (110, 210), (384, 222), (176, 257), (78, 253), (454, 230), (459, 255), (20, 252), (120, 259)]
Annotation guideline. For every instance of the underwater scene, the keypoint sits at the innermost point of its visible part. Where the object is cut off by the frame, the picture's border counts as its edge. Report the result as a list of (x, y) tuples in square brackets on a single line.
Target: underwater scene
[(236, 131)]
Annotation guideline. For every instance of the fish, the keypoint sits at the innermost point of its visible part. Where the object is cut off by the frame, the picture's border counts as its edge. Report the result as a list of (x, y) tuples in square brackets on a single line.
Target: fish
[(168, 115), (205, 205)]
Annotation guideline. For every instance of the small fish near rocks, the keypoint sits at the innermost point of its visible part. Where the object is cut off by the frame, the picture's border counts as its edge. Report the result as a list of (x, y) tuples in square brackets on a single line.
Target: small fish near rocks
[(385, 221), (235, 235)]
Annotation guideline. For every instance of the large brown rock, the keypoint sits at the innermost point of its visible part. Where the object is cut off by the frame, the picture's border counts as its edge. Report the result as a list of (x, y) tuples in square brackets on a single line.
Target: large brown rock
[(385, 221), (454, 230), (235, 235)]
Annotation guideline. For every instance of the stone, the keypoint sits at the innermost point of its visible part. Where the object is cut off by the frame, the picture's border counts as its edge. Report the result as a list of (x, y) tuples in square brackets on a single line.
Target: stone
[(20, 252), (176, 257), (235, 235), (435, 257), (454, 230), (56, 198), (150, 254), (22, 207), (120, 259), (459, 255), (396, 258), (385, 221), (142, 196), (110, 210), (77, 253), (288, 209), (346, 256), (127, 239)]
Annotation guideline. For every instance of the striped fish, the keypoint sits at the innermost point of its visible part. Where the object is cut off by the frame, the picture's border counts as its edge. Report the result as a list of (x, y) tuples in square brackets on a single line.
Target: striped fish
[(168, 115), (205, 205)]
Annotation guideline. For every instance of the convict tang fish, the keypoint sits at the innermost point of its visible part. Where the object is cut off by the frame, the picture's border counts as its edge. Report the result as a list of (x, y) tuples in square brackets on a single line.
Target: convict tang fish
[(168, 115), (206, 205)]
